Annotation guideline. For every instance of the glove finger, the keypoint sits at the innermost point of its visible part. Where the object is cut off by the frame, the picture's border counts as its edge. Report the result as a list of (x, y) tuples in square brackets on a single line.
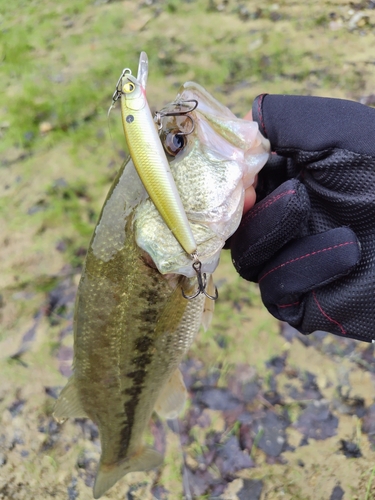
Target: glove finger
[(268, 226), (305, 123), (305, 265)]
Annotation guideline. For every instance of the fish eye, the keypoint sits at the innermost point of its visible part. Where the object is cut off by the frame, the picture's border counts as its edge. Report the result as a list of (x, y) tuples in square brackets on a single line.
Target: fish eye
[(174, 142), (128, 87)]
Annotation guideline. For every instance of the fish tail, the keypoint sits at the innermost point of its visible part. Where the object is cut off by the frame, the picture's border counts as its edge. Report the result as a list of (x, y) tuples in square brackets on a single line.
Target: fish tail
[(108, 475)]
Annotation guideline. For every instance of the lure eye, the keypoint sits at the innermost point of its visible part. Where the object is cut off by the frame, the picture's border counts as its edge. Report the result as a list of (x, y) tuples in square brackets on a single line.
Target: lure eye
[(128, 87), (174, 142)]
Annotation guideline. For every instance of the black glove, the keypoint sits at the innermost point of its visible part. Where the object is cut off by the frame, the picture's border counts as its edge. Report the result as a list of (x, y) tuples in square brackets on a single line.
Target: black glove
[(310, 240)]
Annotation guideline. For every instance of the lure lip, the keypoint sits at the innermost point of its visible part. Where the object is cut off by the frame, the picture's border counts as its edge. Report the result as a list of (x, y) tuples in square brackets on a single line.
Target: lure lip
[(142, 74), (152, 165)]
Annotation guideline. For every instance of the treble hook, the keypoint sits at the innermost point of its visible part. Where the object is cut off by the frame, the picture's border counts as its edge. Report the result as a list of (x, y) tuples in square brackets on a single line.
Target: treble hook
[(118, 91), (160, 114), (202, 282)]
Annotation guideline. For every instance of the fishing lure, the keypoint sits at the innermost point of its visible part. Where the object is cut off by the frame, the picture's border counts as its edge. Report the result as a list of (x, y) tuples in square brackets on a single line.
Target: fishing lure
[(151, 163)]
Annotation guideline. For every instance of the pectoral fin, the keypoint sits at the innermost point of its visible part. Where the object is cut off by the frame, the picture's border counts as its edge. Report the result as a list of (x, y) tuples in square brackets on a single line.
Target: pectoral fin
[(108, 475), (68, 405), (171, 400)]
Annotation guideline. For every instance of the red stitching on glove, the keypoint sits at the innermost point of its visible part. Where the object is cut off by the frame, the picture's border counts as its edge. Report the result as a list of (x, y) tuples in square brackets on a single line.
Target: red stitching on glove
[(255, 211), (307, 255), (281, 306), (326, 315)]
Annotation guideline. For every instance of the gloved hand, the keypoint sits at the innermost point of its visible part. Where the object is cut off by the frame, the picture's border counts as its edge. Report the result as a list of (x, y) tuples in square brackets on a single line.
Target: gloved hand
[(310, 239)]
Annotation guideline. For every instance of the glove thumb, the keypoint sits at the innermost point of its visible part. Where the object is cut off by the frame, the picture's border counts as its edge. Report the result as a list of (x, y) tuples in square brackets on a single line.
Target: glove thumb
[(268, 226)]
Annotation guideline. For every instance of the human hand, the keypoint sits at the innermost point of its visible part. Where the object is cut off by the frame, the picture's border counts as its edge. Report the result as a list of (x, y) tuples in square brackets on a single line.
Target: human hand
[(310, 240)]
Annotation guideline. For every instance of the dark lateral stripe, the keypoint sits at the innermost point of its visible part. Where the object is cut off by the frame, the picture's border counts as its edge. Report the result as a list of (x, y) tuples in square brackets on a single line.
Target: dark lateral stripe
[(142, 359)]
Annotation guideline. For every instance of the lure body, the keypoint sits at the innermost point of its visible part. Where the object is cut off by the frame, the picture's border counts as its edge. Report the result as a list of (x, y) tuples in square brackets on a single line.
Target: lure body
[(150, 160)]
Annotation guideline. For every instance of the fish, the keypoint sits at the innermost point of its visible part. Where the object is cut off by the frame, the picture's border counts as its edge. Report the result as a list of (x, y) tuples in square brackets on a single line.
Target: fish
[(132, 323)]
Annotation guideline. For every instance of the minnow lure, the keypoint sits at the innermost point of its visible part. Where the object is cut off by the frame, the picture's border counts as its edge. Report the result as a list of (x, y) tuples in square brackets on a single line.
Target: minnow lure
[(148, 155)]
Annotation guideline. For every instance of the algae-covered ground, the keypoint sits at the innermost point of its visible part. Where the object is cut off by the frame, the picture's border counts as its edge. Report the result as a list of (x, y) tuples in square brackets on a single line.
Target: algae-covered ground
[(271, 414)]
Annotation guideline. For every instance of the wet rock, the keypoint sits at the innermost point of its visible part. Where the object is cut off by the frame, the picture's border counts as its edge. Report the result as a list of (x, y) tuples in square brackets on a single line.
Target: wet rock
[(276, 364), (245, 438), (304, 441), (250, 390), (337, 493), (217, 398), (18, 438), (51, 429), (160, 493), (368, 424), (87, 460), (203, 420), (190, 369), (309, 386), (6, 442), (72, 489), (349, 405), (318, 335), (317, 422), (245, 418), (89, 429), (339, 346), (230, 457), (183, 426), (29, 337), (61, 301), (16, 407), (199, 481), (288, 332), (271, 429), (221, 340), (65, 357), (137, 491), (349, 449), (3, 459), (273, 398), (212, 378), (53, 392), (251, 490), (217, 490), (272, 384)]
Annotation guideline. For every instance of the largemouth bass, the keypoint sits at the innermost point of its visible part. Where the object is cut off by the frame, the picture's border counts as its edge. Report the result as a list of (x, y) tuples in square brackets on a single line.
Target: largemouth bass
[(132, 325)]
